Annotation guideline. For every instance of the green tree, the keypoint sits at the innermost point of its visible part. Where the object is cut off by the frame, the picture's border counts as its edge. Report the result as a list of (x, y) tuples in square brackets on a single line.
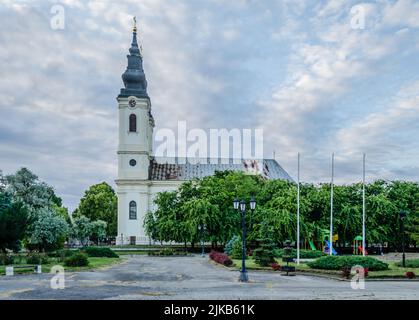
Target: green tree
[(43, 206), (100, 203), (13, 221), (49, 231), (82, 229), (98, 230)]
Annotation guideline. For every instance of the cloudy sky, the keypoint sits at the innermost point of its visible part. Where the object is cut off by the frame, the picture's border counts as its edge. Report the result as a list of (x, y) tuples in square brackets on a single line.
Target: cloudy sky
[(297, 69)]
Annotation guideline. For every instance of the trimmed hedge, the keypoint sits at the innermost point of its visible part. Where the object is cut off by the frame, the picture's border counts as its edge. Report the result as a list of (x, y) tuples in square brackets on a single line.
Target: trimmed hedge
[(304, 254), (100, 252), (221, 258), (78, 259), (340, 262), (411, 263)]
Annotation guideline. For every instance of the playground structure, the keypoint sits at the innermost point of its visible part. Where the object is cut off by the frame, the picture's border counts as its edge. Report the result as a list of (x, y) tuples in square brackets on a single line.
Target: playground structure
[(357, 245), (323, 243)]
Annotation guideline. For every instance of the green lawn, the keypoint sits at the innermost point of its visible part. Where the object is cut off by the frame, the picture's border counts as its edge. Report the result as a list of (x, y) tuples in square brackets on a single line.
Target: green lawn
[(94, 263), (393, 272)]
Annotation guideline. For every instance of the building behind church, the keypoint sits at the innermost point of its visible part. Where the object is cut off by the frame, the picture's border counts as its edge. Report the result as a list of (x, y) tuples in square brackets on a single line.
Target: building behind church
[(141, 175)]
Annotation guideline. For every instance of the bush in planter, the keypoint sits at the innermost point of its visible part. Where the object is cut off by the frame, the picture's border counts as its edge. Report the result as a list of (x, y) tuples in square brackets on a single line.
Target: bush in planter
[(78, 259), (36, 258), (410, 275), (221, 258), (100, 252), (340, 262), (275, 266)]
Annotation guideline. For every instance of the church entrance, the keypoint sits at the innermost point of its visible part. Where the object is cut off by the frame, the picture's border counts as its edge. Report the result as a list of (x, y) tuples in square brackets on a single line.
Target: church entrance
[(132, 240)]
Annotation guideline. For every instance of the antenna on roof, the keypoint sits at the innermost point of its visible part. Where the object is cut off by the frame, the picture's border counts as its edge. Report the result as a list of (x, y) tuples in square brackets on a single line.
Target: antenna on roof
[(274, 154)]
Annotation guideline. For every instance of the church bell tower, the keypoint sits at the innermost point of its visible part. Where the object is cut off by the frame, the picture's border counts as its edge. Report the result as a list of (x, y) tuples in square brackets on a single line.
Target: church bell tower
[(134, 148)]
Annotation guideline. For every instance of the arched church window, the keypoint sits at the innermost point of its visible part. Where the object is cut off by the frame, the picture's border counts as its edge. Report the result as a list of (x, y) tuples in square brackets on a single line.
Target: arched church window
[(132, 210), (132, 123)]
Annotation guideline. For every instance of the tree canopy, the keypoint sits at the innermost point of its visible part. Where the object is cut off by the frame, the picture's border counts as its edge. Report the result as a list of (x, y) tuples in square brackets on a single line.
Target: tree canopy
[(209, 202), (100, 203)]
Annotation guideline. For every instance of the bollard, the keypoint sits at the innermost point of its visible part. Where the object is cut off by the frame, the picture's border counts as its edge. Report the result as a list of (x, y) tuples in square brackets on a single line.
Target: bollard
[(38, 269), (9, 271)]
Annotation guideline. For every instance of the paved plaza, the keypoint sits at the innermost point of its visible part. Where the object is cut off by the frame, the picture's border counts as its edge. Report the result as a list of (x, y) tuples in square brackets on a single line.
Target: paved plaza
[(169, 278)]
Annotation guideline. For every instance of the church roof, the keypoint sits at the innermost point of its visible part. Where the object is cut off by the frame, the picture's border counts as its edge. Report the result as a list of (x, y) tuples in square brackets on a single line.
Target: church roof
[(174, 169)]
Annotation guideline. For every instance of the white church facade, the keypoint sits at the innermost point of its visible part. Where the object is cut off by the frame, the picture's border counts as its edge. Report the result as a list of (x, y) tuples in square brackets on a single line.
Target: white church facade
[(141, 175)]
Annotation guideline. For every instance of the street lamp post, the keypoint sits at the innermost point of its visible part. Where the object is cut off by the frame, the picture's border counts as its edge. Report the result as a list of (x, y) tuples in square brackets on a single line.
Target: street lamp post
[(241, 205), (403, 215)]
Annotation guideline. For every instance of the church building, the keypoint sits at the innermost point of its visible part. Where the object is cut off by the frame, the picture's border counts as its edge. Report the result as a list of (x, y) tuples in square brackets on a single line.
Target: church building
[(141, 175)]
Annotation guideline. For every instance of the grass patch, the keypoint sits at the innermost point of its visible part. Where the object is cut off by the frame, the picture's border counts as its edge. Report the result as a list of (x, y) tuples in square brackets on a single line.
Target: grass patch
[(410, 263)]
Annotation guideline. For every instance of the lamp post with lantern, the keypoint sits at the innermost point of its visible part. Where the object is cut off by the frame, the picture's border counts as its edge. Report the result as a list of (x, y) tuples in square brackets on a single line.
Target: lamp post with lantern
[(240, 205)]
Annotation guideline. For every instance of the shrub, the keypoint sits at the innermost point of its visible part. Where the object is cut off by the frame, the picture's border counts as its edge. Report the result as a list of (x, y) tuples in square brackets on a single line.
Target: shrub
[(346, 272), (237, 249), (6, 259), (411, 263), (63, 254), (78, 259), (340, 262), (228, 249), (100, 252), (264, 255), (167, 252), (410, 275), (36, 258), (221, 258), (304, 254), (275, 266)]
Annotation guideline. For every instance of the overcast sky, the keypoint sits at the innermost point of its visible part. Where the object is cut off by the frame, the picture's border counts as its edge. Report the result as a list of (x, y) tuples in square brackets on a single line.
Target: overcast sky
[(297, 69)]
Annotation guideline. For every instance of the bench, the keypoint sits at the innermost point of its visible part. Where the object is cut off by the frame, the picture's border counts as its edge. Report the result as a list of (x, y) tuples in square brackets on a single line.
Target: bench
[(10, 269)]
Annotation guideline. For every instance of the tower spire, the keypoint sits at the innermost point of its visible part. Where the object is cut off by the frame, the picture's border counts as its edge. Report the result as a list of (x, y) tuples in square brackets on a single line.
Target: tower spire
[(134, 78), (134, 29)]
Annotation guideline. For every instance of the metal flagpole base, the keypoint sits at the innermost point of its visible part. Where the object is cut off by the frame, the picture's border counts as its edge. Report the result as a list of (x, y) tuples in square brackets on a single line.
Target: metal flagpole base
[(243, 276)]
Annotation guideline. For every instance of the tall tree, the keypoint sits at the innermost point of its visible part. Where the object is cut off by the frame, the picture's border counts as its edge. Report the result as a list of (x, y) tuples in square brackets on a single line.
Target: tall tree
[(100, 203)]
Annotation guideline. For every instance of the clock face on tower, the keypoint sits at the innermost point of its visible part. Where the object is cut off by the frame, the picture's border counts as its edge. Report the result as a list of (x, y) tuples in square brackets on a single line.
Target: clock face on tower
[(132, 103)]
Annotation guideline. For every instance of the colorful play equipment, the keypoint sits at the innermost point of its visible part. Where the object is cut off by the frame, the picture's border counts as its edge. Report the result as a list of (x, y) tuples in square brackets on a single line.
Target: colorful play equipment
[(312, 246), (322, 243), (358, 249), (327, 246)]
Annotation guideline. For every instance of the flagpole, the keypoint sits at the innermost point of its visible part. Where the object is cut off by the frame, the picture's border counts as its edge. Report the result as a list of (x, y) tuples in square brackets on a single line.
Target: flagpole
[(298, 211), (363, 205), (331, 207)]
